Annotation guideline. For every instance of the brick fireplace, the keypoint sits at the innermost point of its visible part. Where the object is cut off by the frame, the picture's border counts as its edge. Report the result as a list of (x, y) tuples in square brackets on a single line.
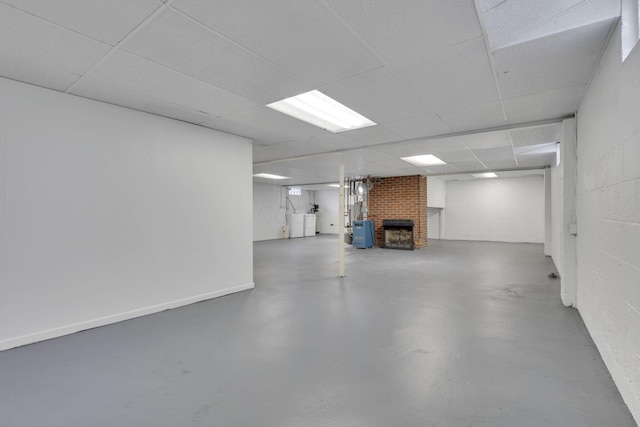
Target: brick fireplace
[(400, 197)]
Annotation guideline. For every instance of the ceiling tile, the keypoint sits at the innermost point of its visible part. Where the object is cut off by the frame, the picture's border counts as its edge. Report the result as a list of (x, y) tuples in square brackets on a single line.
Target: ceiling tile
[(36, 51), (486, 140), (455, 156), (558, 61), (372, 135), (536, 135), (377, 95), (452, 143), (474, 117), (264, 124), (418, 127), (107, 21), (460, 76), (536, 160), (586, 13), (549, 147), (180, 43), (485, 5), (469, 166), (506, 21), (494, 154), (31, 71), (495, 165), (273, 29), (138, 75), (129, 99), (546, 105), (402, 30)]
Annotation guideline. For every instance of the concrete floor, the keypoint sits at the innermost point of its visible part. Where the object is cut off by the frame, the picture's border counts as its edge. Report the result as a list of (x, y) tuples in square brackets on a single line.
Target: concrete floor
[(457, 334)]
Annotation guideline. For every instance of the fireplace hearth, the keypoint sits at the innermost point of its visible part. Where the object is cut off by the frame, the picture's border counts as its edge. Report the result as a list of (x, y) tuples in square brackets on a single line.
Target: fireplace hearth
[(397, 234)]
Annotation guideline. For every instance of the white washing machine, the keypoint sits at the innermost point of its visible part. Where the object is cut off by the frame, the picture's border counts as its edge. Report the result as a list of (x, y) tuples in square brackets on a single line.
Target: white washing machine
[(296, 225), (309, 225)]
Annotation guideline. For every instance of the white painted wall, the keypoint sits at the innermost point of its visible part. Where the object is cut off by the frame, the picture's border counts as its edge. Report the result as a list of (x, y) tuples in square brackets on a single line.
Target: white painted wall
[(301, 203), (109, 213), (433, 223), (436, 192), (608, 210), (563, 214), (504, 210), (268, 211), (328, 216)]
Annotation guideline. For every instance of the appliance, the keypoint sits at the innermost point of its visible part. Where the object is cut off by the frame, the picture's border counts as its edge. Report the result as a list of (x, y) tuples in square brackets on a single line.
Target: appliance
[(296, 225), (363, 233), (309, 225)]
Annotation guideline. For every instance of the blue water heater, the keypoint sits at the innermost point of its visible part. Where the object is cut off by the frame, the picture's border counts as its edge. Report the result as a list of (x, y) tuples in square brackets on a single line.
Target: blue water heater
[(363, 234)]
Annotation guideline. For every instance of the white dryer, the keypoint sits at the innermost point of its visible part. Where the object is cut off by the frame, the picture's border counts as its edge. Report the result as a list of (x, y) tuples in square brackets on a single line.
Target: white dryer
[(309, 225)]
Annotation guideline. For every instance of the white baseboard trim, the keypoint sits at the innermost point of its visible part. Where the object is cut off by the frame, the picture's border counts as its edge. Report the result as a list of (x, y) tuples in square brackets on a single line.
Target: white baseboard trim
[(119, 317)]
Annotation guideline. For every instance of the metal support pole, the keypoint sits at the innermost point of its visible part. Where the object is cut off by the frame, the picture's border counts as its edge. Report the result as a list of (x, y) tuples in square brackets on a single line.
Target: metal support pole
[(341, 222)]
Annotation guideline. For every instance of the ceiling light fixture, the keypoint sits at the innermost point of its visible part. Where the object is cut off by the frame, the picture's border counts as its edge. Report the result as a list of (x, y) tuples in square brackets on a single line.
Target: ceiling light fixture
[(485, 175), (320, 110), (270, 176), (424, 160), (334, 185)]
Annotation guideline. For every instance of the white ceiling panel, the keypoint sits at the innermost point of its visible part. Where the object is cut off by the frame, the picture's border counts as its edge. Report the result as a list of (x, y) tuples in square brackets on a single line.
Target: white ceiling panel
[(28, 71), (394, 162), (558, 61), (546, 105), (147, 78), (494, 154), (453, 143), (107, 21), (486, 140), (460, 76), (506, 21), (421, 69), (137, 101), (178, 42), (34, 46), (474, 117), (586, 13), (454, 156), (372, 135), (469, 166), (537, 160), (417, 127), (549, 147), (377, 95), (273, 29), (536, 135), (289, 149), (332, 142), (402, 30), (501, 164), (266, 126), (485, 5)]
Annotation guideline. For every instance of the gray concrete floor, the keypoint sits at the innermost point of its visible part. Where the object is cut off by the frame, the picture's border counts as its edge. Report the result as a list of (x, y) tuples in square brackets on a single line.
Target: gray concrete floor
[(457, 334)]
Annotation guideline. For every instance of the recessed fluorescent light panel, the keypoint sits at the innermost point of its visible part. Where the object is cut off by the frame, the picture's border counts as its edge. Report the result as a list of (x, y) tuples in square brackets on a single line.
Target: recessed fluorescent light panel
[(270, 176), (334, 185), (424, 160), (318, 109), (485, 175)]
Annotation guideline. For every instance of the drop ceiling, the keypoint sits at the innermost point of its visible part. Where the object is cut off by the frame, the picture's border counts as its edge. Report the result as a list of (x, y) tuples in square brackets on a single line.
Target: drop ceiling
[(482, 84)]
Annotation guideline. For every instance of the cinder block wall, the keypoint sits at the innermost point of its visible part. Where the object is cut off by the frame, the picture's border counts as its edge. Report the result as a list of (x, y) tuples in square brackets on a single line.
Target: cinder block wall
[(608, 216), (400, 197)]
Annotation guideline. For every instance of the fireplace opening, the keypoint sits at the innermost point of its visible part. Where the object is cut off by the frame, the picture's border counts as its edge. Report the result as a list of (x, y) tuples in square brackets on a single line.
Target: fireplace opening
[(397, 234)]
